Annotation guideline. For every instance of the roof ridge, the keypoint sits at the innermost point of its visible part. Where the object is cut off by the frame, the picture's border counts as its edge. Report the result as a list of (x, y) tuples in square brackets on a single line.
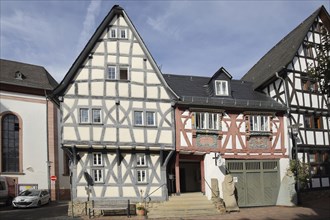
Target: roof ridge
[(300, 27), (288, 35), (20, 62)]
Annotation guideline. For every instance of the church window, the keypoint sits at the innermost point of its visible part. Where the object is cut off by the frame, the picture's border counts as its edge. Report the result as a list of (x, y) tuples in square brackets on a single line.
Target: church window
[(10, 143)]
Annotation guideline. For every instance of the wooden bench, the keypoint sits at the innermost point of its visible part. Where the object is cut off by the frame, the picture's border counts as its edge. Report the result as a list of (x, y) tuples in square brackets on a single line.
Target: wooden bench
[(110, 205)]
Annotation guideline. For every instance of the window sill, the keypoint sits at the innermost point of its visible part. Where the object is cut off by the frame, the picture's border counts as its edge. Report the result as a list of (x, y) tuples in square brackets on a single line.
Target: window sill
[(12, 173), (141, 184), (314, 129), (91, 123), (145, 126), (98, 183), (207, 131), (260, 133), (117, 80)]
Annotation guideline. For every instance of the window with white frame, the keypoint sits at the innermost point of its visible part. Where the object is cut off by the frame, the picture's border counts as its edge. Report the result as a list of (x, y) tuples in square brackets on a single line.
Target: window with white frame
[(221, 87), (84, 115), (259, 123), (123, 33), (138, 118), (97, 159), (206, 120), (113, 33), (111, 72), (97, 175), (118, 33), (141, 176), (141, 160), (96, 115), (114, 74), (144, 118), (97, 170), (150, 118)]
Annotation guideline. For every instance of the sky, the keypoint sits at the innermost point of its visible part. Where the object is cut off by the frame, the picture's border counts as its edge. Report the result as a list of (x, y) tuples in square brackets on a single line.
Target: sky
[(184, 37)]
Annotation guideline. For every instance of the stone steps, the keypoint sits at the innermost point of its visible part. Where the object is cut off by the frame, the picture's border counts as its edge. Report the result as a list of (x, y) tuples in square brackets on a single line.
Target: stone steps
[(185, 205)]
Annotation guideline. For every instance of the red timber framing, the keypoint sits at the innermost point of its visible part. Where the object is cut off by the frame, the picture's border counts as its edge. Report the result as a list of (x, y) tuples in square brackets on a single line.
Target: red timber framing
[(233, 139), (192, 158)]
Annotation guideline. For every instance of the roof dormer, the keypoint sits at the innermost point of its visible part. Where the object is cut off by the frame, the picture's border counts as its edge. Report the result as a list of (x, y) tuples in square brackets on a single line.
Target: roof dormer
[(19, 75), (220, 83)]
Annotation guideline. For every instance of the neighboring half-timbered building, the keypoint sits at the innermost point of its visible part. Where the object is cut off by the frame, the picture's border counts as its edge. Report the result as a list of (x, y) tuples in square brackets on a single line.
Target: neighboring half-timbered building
[(117, 116), (282, 75), (224, 126)]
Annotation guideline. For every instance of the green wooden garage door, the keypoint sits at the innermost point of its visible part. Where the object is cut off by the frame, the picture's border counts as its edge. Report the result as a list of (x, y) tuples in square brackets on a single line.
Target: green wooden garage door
[(258, 181)]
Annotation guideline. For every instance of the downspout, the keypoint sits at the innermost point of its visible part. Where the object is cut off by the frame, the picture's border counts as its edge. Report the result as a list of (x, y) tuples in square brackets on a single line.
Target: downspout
[(168, 157), (287, 112), (47, 138)]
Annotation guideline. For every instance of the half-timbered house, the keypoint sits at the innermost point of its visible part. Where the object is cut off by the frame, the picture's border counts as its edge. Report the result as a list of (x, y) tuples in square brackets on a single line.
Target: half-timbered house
[(224, 126), (117, 116), (282, 75)]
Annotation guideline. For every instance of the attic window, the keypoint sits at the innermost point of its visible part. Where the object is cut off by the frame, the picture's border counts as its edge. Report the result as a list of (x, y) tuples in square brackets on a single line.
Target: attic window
[(19, 75), (118, 33), (308, 50), (221, 87), (117, 72)]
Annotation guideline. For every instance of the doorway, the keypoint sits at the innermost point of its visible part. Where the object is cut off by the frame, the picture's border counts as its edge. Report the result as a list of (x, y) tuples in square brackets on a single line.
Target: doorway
[(190, 177)]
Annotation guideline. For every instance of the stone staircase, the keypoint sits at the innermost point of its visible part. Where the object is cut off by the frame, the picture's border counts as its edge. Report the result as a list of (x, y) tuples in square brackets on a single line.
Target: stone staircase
[(183, 206)]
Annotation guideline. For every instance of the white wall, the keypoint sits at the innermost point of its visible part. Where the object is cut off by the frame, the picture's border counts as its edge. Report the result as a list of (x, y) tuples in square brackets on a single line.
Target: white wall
[(33, 115), (212, 171)]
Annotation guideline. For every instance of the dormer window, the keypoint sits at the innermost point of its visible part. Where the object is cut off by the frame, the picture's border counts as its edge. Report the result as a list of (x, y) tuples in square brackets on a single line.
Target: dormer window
[(19, 75), (221, 87)]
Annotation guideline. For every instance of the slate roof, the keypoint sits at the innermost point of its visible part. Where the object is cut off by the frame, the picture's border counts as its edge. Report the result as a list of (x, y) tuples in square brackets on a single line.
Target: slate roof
[(34, 76), (283, 52), (194, 91)]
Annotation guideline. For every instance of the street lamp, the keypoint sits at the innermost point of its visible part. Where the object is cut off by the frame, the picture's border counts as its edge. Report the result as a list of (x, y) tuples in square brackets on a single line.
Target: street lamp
[(295, 131)]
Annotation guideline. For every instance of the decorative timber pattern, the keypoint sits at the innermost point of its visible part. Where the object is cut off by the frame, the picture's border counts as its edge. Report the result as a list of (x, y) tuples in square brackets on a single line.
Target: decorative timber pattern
[(116, 104), (306, 102), (307, 106), (233, 139)]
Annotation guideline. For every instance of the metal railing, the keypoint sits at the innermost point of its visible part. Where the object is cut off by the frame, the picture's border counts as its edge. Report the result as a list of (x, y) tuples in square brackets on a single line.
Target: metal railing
[(148, 196), (215, 195)]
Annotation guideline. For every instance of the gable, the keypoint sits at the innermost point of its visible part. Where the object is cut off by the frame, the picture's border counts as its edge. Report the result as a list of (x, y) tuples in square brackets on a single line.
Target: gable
[(220, 83), (108, 49), (283, 52)]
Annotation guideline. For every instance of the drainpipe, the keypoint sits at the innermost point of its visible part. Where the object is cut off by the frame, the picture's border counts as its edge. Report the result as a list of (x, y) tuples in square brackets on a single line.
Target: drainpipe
[(165, 167), (287, 111), (47, 139)]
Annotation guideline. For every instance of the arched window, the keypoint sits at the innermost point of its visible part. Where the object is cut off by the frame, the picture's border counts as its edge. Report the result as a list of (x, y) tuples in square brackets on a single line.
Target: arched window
[(10, 143)]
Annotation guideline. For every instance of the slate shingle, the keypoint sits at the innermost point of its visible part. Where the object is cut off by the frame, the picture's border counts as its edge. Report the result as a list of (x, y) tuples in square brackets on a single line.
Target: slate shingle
[(33, 76)]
